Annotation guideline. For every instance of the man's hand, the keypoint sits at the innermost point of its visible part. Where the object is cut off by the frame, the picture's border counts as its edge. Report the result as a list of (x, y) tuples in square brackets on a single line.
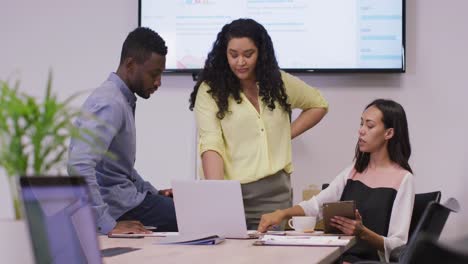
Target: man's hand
[(349, 226), (270, 220), (129, 227), (166, 192)]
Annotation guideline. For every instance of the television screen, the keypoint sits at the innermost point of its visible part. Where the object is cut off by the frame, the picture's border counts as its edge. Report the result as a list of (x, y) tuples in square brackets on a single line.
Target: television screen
[(308, 35)]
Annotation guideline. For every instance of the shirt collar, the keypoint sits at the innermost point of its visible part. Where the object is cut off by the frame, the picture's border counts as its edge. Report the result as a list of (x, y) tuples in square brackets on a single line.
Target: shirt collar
[(129, 95)]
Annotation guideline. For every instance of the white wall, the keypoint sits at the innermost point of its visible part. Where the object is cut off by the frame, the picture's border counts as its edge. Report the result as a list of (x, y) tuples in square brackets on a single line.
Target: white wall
[(81, 41)]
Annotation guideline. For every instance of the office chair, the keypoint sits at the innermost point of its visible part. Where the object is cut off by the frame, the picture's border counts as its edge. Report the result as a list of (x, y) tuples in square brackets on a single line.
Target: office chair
[(426, 249), (421, 201), (431, 224), (429, 251)]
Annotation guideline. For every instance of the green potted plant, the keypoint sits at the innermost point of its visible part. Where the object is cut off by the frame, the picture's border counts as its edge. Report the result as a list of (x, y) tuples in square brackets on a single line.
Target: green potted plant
[(34, 134)]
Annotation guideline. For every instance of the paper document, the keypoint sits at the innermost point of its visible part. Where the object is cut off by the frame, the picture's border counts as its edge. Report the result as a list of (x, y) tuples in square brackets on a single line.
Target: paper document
[(297, 233), (162, 234), (153, 234), (191, 240), (331, 241)]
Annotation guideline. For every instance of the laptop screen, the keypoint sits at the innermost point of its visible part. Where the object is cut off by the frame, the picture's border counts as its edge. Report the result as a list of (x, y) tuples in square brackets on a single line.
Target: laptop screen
[(199, 210), (60, 220)]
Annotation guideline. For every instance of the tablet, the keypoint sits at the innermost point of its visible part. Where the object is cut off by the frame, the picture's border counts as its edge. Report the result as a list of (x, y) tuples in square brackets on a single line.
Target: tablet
[(342, 208)]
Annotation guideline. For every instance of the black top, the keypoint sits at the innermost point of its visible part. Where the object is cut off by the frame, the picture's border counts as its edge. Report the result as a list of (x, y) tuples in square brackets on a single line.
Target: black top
[(375, 206)]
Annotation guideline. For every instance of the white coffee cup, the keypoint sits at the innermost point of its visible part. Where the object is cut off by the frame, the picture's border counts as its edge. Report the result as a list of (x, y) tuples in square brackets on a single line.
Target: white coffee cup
[(302, 223)]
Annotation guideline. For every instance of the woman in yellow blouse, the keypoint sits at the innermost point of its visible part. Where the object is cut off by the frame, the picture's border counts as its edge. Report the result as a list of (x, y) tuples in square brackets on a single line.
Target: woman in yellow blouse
[(243, 104)]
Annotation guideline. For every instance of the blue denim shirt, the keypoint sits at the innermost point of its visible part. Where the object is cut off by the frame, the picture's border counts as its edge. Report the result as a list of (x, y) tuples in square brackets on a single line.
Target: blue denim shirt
[(115, 185)]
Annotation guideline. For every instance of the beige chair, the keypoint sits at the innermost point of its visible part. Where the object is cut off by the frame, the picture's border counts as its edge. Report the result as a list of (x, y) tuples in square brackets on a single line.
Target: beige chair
[(308, 193)]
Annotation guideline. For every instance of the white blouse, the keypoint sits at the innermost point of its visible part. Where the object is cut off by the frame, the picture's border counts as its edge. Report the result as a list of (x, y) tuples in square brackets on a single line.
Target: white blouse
[(402, 209)]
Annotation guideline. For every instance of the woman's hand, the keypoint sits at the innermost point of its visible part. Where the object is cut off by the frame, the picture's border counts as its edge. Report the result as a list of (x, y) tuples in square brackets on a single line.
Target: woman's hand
[(349, 226), (269, 220)]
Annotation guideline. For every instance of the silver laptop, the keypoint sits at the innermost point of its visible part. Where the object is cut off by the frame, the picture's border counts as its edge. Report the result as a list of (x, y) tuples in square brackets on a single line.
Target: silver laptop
[(60, 220), (210, 207)]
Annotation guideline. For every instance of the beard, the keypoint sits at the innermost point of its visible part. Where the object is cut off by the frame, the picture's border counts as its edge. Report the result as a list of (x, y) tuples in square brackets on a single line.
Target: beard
[(139, 89)]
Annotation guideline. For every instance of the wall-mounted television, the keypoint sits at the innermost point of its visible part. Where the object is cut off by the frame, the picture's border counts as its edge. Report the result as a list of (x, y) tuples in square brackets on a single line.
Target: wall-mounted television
[(308, 35)]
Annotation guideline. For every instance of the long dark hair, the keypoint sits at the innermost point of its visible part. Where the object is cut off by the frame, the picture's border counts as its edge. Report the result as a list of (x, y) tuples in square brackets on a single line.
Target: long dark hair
[(222, 81), (399, 147)]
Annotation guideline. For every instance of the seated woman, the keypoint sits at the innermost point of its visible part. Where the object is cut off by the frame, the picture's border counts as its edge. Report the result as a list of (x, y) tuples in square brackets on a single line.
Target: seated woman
[(380, 181)]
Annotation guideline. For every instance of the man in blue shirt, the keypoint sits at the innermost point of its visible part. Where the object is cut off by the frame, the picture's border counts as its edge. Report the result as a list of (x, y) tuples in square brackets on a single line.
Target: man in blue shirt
[(122, 201)]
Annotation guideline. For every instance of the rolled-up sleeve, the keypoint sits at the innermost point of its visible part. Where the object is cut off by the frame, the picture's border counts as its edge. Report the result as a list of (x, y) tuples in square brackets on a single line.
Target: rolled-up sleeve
[(301, 95), (210, 136), (99, 125)]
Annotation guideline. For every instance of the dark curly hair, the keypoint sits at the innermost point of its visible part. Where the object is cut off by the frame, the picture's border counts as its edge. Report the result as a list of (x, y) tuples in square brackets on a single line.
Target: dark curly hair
[(399, 147), (222, 81)]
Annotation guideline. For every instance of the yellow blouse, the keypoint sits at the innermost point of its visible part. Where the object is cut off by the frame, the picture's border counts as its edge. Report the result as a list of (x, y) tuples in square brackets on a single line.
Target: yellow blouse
[(253, 145)]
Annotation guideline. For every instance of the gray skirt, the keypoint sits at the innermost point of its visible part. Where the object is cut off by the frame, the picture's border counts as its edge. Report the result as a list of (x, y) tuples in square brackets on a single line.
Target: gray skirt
[(265, 196)]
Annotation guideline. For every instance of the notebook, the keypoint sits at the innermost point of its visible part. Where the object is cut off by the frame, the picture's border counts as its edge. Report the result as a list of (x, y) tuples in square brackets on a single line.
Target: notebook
[(323, 241), (192, 240), (210, 207)]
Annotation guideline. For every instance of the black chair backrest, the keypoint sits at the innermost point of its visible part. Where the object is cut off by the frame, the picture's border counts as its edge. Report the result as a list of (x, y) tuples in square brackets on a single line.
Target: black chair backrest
[(427, 250), (432, 221), (431, 224), (421, 201)]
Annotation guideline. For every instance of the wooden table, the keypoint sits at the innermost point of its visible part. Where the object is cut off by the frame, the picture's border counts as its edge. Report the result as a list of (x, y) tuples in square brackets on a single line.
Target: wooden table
[(230, 251)]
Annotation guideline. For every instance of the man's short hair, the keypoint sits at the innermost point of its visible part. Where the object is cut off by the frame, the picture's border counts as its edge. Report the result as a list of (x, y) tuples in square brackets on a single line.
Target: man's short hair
[(140, 43)]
